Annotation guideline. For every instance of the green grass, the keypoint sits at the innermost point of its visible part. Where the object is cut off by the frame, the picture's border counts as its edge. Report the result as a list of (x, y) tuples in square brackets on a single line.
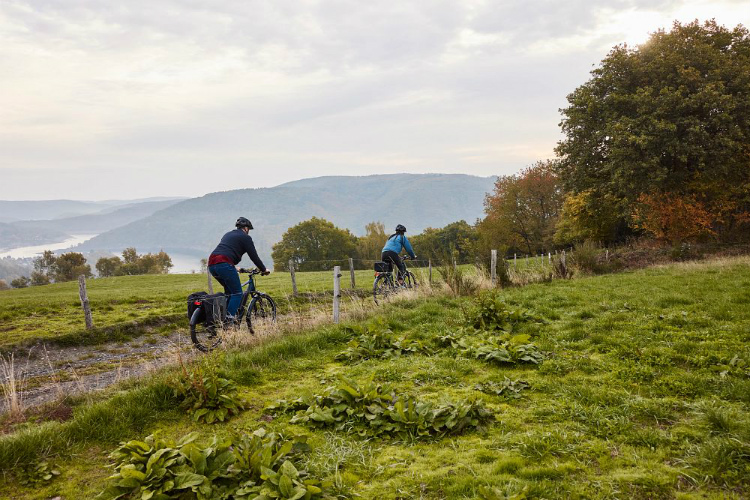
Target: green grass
[(645, 394)]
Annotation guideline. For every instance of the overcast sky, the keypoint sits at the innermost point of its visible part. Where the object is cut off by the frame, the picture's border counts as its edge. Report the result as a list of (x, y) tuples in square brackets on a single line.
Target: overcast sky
[(137, 98)]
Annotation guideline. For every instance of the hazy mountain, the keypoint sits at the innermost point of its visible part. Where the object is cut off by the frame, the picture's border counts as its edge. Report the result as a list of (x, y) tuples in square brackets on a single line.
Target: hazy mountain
[(102, 221), (14, 237), (194, 226), (57, 209)]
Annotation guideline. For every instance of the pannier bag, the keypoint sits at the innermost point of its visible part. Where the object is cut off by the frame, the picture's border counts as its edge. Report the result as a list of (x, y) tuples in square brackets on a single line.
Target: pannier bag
[(383, 267), (213, 307), (195, 301)]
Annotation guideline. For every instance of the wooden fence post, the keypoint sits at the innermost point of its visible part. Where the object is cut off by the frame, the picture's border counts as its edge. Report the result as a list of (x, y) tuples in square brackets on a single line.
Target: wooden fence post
[(563, 265), (294, 278), (85, 302), (493, 267), (549, 254), (336, 292), (515, 262), (351, 270), (210, 282), (429, 267)]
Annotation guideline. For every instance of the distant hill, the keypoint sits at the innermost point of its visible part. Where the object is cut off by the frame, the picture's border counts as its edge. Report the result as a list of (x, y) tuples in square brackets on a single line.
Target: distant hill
[(193, 227), (104, 220), (14, 237), (11, 211)]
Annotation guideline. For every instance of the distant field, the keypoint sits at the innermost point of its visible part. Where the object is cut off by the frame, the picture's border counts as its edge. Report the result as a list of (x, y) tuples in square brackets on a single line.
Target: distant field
[(644, 393)]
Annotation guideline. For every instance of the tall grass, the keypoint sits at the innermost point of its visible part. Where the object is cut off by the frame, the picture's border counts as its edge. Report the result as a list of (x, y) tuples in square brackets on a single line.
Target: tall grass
[(12, 386)]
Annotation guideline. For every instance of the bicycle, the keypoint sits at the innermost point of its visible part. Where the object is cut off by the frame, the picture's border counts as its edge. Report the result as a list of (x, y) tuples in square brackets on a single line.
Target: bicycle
[(385, 284), (206, 335)]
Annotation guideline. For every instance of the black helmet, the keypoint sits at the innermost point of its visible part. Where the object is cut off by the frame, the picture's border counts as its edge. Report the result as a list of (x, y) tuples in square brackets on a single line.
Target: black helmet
[(400, 229), (243, 222)]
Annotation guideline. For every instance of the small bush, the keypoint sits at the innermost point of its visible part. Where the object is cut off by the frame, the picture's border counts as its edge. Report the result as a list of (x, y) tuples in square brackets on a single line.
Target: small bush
[(458, 280), (489, 312), (586, 258), (260, 465), (369, 410), (375, 340), (206, 396)]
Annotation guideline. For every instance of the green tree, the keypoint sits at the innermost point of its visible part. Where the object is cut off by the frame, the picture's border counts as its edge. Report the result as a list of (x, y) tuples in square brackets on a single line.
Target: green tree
[(108, 266), (458, 239), (522, 211), (20, 282), (370, 245), (669, 117), (310, 241), (44, 266), (69, 266), (39, 278)]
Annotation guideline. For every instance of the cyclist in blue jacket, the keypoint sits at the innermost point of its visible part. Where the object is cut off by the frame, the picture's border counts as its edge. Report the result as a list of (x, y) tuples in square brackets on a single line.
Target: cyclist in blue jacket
[(392, 248)]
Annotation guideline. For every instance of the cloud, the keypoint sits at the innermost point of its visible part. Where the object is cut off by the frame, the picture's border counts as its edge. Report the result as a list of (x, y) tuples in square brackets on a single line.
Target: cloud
[(157, 94)]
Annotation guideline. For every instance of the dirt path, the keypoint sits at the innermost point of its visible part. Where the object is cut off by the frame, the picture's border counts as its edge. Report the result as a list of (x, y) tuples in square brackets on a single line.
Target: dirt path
[(44, 374)]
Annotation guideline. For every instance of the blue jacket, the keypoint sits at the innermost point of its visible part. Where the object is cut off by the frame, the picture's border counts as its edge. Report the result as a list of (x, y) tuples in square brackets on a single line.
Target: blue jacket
[(396, 243)]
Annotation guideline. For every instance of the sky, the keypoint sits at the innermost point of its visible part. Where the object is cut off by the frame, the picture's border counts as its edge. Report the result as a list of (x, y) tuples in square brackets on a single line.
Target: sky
[(121, 100)]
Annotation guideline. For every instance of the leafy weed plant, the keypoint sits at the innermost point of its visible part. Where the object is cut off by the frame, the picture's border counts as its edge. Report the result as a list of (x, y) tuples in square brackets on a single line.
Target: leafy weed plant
[(207, 397)]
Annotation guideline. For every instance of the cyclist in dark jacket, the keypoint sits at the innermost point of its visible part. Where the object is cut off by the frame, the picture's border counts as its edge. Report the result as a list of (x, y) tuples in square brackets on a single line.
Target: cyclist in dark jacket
[(392, 248), (228, 253)]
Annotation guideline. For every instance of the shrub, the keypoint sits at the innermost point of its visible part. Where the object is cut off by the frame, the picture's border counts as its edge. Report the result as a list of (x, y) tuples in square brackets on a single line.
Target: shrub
[(369, 410), (206, 396), (586, 258), (458, 280), (260, 465), (375, 340), (489, 312), (501, 350)]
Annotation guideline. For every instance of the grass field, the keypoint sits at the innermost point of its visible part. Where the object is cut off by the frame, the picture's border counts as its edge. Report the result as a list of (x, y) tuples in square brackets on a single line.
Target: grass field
[(645, 393), (128, 306)]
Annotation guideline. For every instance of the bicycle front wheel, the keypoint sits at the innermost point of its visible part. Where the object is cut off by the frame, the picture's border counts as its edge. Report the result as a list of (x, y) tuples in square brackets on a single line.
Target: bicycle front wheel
[(261, 308), (205, 338), (381, 288)]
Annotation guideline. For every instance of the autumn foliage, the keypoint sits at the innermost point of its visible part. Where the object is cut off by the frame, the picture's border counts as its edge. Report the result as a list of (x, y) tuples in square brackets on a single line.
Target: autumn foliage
[(674, 218)]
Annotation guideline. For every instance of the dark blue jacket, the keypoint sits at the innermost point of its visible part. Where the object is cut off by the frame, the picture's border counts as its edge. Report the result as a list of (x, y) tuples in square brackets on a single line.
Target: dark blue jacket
[(236, 243)]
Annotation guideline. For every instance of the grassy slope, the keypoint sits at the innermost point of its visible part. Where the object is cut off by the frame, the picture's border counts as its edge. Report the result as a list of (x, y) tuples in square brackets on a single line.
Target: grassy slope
[(640, 399)]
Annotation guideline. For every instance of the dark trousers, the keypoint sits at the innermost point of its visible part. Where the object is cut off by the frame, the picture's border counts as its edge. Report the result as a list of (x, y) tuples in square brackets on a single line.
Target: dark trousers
[(391, 256), (229, 278)]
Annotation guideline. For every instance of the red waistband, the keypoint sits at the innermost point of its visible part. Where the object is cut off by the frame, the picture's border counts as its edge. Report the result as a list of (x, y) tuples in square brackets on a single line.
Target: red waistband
[(214, 259)]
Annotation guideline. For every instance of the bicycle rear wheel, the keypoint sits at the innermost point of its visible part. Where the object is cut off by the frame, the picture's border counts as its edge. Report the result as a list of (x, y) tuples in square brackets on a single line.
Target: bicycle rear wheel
[(381, 288), (205, 338), (261, 308)]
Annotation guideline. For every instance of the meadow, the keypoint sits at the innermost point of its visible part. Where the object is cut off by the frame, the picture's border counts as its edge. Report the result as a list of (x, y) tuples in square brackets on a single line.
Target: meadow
[(643, 392)]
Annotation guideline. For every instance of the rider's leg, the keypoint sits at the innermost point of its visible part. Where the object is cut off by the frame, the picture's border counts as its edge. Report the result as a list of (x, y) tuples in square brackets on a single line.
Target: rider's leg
[(228, 276), (397, 263)]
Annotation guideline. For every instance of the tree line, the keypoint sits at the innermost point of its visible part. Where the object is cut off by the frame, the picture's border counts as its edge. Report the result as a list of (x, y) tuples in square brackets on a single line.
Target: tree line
[(51, 268)]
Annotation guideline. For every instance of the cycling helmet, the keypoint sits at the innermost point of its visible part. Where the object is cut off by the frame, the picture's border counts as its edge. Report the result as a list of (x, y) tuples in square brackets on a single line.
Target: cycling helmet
[(400, 229), (243, 222)]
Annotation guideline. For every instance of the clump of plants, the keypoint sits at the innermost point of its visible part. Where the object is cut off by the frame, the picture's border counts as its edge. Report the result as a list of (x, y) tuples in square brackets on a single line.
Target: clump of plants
[(256, 466), (489, 312), (507, 389), (37, 474), (207, 397), (369, 410), (376, 341), (498, 349)]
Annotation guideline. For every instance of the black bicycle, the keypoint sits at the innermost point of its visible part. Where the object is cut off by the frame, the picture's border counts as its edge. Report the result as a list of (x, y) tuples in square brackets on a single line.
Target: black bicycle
[(205, 331), (385, 283)]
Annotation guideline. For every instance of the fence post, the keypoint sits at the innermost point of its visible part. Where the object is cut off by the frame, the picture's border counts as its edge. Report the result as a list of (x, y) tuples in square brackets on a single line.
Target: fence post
[(563, 265), (336, 292), (493, 267), (210, 282), (85, 302), (351, 271), (429, 267), (549, 254), (294, 277), (515, 262), (607, 255)]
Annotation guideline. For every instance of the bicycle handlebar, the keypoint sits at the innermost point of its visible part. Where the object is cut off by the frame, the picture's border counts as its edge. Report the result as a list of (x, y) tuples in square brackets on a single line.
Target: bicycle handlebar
[(251, 272)]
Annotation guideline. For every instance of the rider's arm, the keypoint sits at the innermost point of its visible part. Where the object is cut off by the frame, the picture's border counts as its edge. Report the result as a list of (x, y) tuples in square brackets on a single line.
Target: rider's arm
[(407, 247), (253, 254)]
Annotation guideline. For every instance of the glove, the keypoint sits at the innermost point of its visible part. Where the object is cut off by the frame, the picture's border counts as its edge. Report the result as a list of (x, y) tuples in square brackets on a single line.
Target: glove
[(265, 273)]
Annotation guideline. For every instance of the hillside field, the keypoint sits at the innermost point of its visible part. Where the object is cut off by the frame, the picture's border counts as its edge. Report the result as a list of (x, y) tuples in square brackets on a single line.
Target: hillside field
[(643, 392)]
